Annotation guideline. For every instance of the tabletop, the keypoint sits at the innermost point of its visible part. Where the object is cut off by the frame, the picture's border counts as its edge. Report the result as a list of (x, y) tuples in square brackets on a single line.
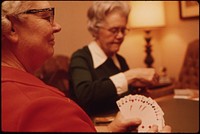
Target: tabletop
[(181, 114)]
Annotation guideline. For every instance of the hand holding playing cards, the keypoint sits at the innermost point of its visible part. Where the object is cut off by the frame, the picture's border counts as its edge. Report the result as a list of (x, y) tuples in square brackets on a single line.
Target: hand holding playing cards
[(141, 77), (141, 82), (146, 109), (120, 124)]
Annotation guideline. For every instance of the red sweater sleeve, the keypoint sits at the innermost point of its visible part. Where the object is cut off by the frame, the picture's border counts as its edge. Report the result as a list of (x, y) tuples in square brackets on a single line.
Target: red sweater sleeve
[(52, 114)]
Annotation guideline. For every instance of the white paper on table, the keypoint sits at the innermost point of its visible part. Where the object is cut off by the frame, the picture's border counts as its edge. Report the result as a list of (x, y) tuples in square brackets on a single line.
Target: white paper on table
[(192, 94)]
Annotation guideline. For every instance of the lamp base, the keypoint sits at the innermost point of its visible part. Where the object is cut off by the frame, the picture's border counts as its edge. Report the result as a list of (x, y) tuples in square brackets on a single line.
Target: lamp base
[(149, 59)]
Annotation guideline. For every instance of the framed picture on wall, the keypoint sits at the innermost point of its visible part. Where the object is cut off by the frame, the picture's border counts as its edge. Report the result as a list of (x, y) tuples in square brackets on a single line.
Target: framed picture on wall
[(189, 9)]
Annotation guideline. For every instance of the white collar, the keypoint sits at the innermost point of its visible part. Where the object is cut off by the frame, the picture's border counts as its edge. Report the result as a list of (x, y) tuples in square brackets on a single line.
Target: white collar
[(98, 55)]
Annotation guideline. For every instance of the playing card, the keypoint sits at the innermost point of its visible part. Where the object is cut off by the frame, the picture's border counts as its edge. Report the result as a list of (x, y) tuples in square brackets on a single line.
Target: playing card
[(144, 108), (150, 116), (146, 73)]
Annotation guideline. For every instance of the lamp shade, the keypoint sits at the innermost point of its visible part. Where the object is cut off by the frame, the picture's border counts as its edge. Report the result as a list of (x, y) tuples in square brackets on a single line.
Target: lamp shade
[(147, 14)]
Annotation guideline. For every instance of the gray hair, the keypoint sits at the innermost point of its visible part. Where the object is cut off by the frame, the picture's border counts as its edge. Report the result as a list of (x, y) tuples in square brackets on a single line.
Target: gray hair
[(12, 8), (100, 9)]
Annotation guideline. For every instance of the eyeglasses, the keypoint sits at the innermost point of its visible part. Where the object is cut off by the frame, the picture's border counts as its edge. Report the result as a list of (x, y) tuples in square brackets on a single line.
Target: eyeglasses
[(48, 13), (115, 30)]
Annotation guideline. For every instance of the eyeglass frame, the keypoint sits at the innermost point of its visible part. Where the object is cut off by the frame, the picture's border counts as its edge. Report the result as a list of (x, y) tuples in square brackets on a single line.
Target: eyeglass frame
[(115, 30), (34, 11)]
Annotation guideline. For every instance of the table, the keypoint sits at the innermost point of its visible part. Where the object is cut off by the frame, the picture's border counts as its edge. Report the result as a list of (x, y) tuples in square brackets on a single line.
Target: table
[(181, 114), (161, 90)]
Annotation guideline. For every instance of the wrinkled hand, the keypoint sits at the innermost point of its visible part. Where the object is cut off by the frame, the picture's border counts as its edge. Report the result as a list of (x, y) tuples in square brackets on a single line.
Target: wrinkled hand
[(141, 77), (141, 82), (120, 124), (166, 129)]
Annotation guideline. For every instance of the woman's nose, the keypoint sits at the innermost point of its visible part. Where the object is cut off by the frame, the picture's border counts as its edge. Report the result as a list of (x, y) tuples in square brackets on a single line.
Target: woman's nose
[(56, 27)]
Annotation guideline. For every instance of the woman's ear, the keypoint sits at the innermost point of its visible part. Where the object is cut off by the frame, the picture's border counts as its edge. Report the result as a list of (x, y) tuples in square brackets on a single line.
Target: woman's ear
[(12, 34)]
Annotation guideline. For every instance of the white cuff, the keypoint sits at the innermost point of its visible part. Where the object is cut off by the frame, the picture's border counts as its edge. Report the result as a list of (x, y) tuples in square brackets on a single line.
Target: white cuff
[(120, 83)]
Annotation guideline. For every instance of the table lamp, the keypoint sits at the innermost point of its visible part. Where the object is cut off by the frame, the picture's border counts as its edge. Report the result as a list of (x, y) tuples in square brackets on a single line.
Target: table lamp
[(147, 15)]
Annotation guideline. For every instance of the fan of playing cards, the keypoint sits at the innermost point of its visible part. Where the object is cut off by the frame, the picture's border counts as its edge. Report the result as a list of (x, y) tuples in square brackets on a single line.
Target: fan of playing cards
[(144, 108)]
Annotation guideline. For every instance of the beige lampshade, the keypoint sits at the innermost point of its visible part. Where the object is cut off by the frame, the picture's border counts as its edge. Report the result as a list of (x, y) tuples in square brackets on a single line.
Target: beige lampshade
[(147, 14)]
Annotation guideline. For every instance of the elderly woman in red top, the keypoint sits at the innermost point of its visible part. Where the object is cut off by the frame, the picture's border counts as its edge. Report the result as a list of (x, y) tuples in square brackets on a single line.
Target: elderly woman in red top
[(28, 104)]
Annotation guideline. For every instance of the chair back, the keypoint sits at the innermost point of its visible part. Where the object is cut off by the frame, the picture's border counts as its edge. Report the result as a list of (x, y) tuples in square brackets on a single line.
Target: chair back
[(54, 72), (189, 75)]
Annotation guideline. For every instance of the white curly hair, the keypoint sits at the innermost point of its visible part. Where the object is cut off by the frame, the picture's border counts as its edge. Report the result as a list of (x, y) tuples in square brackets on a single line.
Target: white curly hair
[(12, 8), (100, 9)]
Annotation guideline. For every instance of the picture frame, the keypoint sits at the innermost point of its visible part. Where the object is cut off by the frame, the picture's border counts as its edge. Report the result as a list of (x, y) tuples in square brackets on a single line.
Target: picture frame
[(189, 9)]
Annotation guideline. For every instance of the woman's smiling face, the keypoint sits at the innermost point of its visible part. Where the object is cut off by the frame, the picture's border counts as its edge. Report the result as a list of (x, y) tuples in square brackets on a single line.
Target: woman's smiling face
[(35, 33)]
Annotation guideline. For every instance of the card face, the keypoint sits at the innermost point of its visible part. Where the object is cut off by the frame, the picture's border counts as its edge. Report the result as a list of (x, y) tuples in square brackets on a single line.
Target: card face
[(144, 108)]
